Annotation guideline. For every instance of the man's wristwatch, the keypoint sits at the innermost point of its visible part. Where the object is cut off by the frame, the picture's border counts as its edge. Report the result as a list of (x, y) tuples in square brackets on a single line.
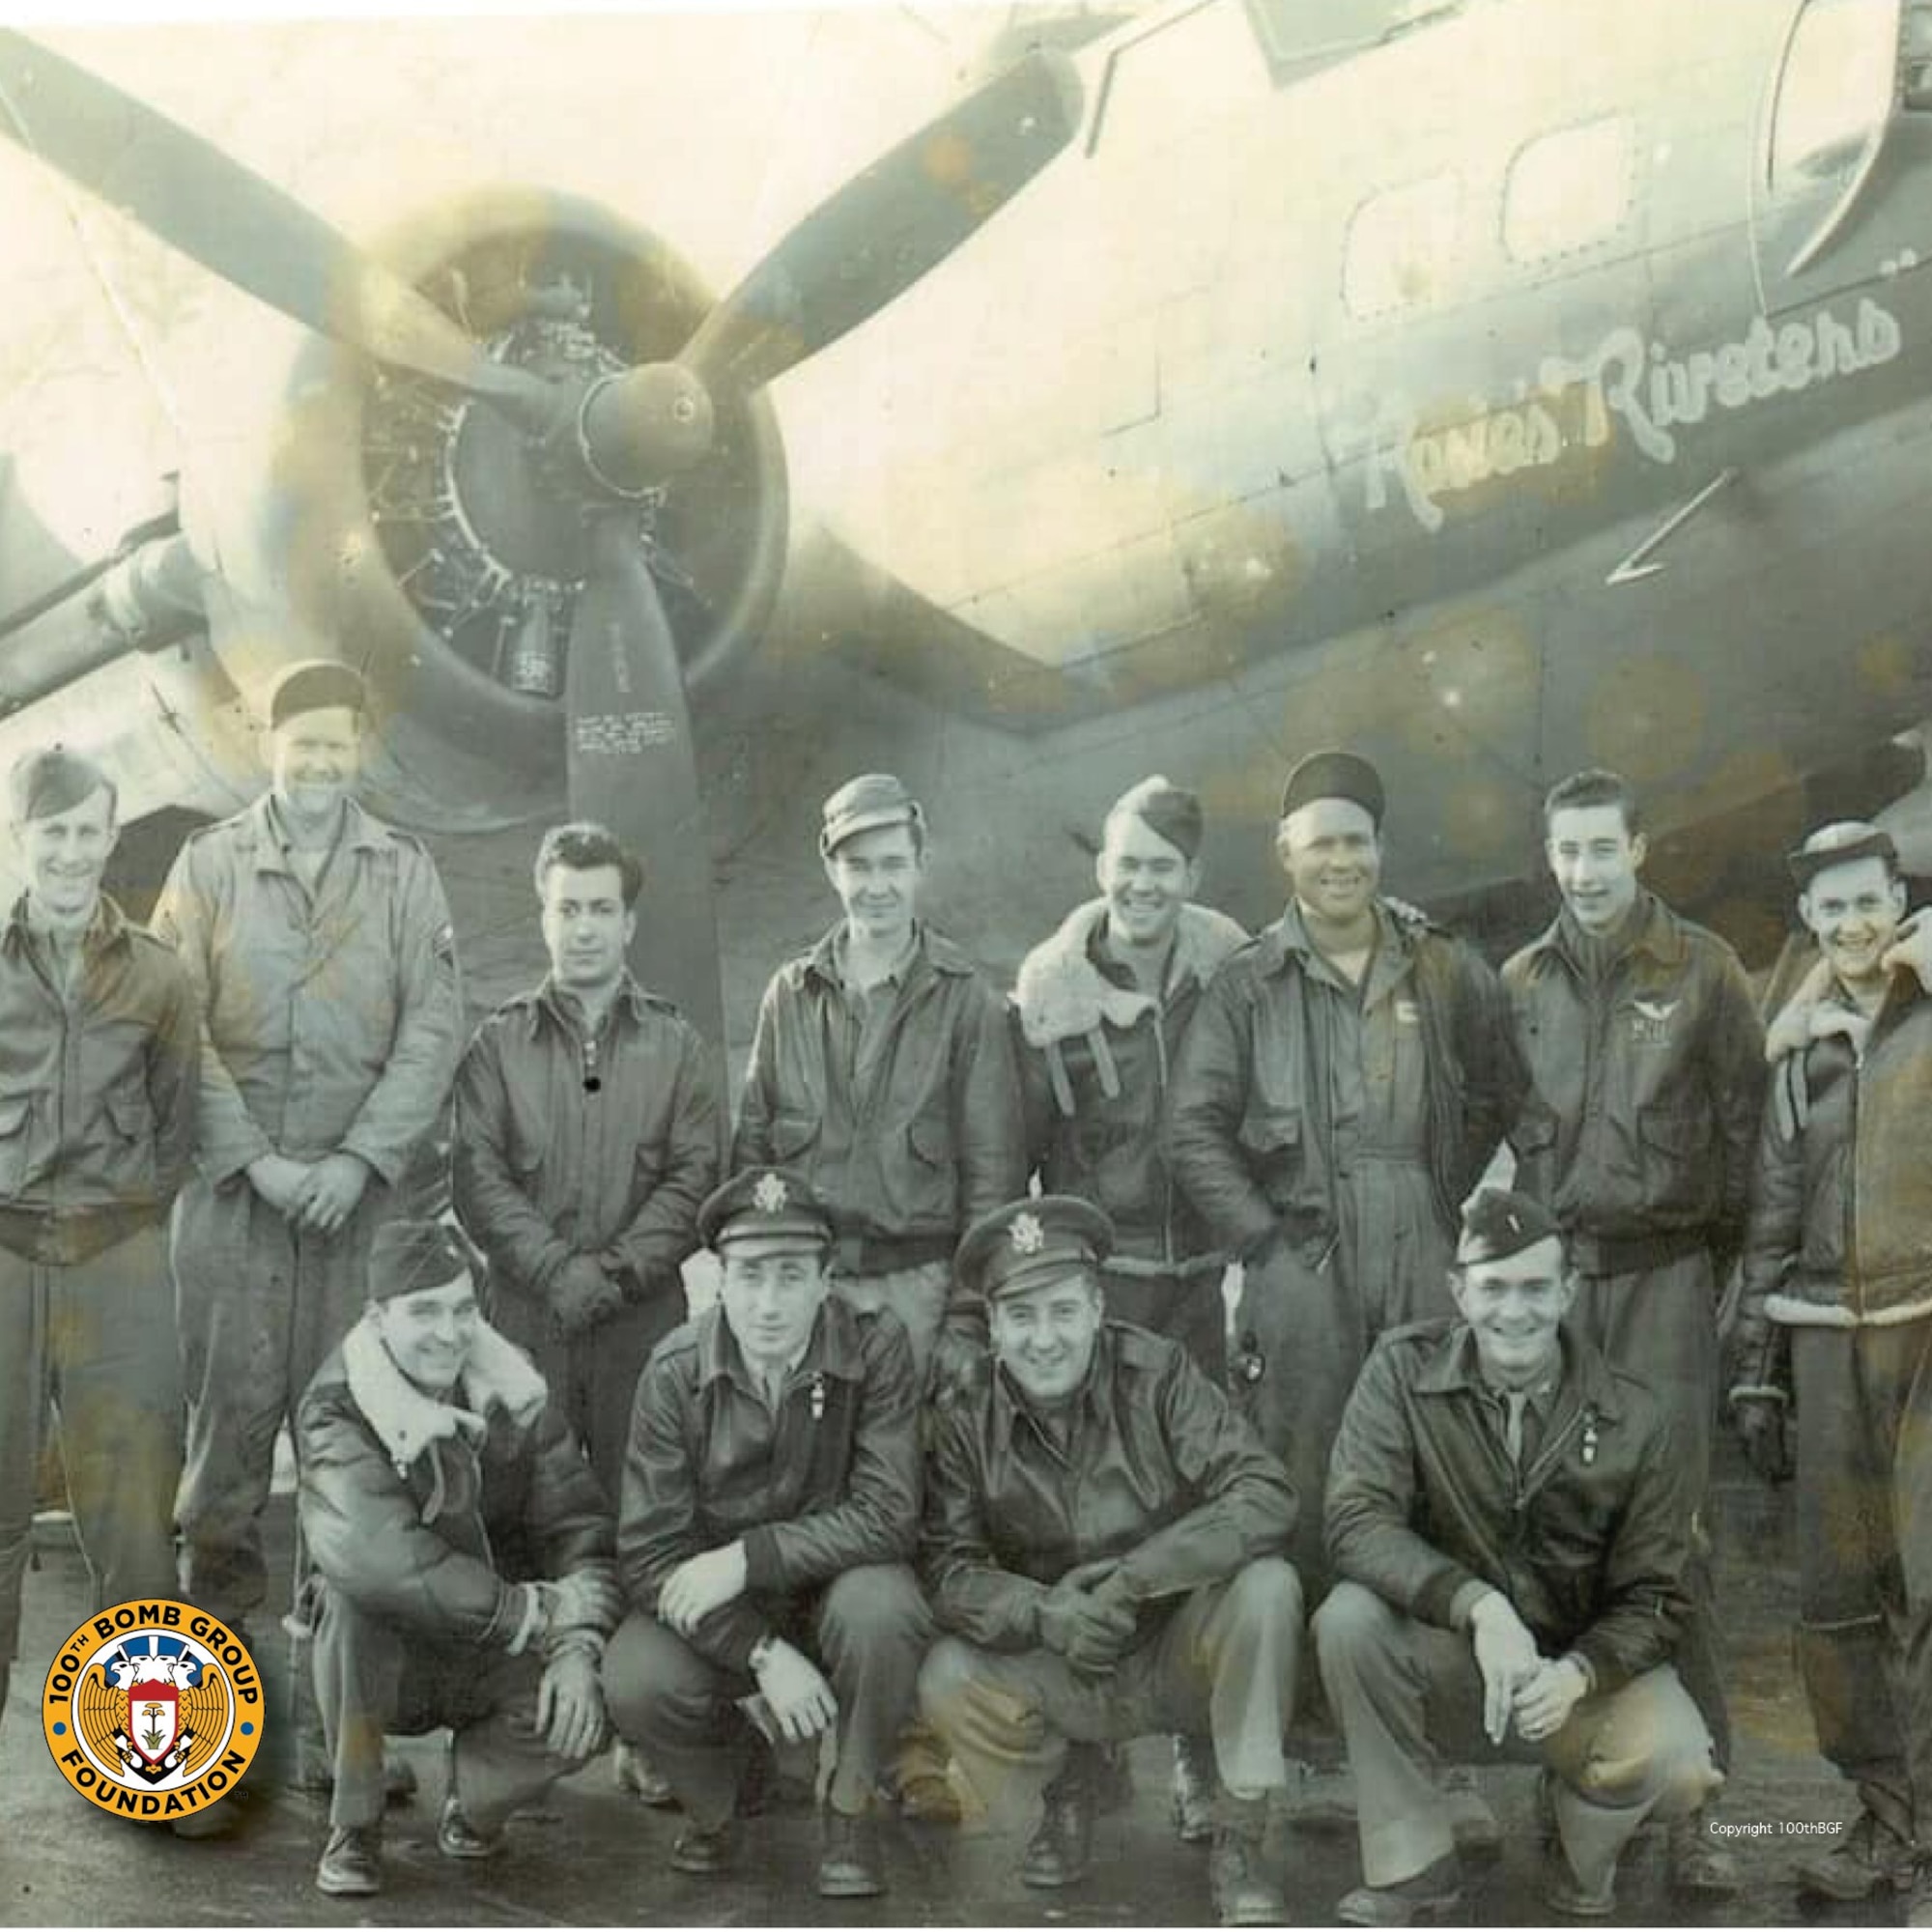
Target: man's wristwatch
[(761, 1652)]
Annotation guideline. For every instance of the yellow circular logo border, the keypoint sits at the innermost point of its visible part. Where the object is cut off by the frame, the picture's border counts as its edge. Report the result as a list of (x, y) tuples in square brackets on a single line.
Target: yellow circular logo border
[(76, 1703)]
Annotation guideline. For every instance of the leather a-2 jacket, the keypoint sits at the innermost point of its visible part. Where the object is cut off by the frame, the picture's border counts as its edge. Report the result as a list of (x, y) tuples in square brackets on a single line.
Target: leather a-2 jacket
[(826, 1482), (1589, 1541), (1166, 1478)]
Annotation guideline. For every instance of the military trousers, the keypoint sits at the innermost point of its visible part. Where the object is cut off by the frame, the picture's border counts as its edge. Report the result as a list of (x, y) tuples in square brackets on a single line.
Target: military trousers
[(867, 1631), (373, 1676), (1865, 1541), (93, 1340), (1405, 1690), (592, 1375), (260, 1303), (1660, 1325), (1222, 1661)]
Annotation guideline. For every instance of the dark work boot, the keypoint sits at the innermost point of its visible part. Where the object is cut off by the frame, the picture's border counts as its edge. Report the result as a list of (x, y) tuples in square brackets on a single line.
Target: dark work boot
[(1062, 1846)]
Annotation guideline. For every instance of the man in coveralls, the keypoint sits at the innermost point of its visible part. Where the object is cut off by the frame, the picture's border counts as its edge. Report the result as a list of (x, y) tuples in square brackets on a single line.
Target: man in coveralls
[(318, 944)]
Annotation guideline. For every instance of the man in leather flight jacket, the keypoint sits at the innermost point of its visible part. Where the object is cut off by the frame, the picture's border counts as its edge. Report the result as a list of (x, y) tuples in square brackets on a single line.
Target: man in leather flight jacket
[(1837, 1310), (1510, 1517), (771, 1502)]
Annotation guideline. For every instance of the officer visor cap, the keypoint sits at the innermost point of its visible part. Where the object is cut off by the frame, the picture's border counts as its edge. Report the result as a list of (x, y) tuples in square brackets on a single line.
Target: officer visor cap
[(315, 685), (1335, 775), (1839, 844), (864, 804), (764, 1204), (1497, 1224), (54, 780), (1028, 1243), (410, 1257)]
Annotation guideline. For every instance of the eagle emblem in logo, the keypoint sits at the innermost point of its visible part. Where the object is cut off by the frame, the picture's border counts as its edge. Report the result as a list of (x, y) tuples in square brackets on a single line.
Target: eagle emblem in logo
[(153, 1710)]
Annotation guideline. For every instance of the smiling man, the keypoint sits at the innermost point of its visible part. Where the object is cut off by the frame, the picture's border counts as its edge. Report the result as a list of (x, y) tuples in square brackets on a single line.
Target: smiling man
[(462, 1555), (99, 1054), (882, 1071), (1646, 1055), (1343, 1085), (1837, 1310), (1103, 1540), (1510, 1519), (320, 946), (771, 1501)]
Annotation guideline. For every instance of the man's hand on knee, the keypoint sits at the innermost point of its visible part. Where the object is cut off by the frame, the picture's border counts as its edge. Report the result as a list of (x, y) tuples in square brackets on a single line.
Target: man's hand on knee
[(1507, 1656), (570, 1705), (1087, 1618), (802, 1702), (702, 1584), (1544, 1701)]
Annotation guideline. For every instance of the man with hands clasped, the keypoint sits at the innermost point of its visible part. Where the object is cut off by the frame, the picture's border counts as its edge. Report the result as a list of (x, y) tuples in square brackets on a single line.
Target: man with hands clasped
[(319, 945), (1510, 1519), (770, 1503), (1104, 1541)]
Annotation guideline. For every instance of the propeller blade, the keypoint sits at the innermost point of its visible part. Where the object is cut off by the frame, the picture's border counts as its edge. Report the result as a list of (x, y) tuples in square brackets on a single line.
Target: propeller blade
[(633, 767), (192, 195), (887, 226)]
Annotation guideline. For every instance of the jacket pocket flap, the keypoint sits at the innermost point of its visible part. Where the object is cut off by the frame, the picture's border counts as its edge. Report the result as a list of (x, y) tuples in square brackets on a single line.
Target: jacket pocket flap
[(931, 1140)]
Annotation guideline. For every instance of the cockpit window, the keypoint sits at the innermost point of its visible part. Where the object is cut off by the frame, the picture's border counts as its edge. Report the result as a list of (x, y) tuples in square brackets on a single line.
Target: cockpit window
[(1835, 92), (1567, 189), (1403, 247)]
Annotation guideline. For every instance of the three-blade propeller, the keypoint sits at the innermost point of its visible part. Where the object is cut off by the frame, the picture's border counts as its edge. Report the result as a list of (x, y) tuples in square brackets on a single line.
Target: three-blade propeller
[(629, 748)]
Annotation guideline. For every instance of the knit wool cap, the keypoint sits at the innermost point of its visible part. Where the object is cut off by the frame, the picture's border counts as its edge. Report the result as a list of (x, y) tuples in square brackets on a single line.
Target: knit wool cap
[(315, 685)]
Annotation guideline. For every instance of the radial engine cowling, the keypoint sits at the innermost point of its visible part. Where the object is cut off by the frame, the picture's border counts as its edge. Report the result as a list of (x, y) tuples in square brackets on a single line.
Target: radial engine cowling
[(425, 537)]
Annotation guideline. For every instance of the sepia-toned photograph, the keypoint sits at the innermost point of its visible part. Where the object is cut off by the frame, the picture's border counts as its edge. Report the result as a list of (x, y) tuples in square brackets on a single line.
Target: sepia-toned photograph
[(961, 964)]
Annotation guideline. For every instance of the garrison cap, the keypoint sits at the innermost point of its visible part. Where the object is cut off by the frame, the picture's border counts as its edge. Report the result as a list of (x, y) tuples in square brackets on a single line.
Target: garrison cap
[(1335, 775), (768, 1204), (54, 780), (1031, 1241), (1168, 809), (864, 804), (1839, 844), (1498, 1223), (314, 685), (409, 1256)]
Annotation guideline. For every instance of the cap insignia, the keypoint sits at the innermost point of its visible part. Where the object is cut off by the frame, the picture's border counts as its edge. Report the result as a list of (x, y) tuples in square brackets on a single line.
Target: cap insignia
[(770, 1196), (1028, 1235)]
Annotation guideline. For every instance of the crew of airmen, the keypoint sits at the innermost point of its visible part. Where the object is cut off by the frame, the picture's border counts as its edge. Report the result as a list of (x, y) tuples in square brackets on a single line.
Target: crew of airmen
[(1071, 1350)]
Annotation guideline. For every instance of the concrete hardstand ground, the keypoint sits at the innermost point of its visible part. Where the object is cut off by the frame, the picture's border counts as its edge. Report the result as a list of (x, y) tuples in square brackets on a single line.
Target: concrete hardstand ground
[(595, 1857)]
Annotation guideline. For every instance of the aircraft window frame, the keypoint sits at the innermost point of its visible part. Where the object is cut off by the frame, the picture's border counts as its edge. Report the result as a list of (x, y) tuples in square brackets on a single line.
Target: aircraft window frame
[(1560, 233), (1816, 162), (1375, 303)]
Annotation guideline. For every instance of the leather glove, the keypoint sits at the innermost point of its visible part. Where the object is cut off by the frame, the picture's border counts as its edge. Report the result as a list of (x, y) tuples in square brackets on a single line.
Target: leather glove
[(1760, 1420), (1090, 1632), (582, 1296)]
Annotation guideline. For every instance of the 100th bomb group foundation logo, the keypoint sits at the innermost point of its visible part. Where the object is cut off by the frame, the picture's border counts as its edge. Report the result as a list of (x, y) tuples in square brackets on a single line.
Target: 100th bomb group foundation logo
[(153, 1710)]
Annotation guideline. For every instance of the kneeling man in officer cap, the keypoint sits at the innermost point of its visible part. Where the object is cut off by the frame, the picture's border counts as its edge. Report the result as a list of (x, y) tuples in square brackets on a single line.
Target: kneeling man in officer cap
[(1103, 1539), (1510, 1517), (770, 1506), (464, 1551)]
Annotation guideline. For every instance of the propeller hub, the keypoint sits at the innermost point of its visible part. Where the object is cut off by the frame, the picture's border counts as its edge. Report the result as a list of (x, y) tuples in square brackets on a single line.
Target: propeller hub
[(639, 430)]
